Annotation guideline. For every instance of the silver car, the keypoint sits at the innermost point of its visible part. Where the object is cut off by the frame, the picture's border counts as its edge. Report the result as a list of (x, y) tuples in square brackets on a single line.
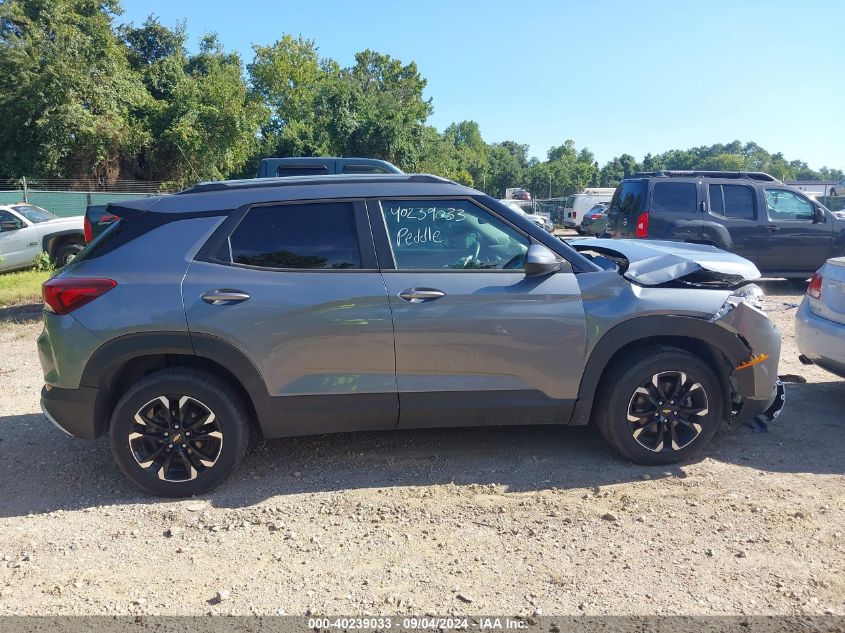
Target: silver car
[(269, 308), (820, 320)]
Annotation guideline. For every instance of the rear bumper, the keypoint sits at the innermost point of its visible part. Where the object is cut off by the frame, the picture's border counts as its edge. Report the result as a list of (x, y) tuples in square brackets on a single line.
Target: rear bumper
[(72, 410), (820, 340)]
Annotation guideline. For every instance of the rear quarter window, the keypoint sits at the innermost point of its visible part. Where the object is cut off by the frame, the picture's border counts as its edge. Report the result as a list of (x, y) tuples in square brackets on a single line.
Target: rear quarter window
[(674, 197)]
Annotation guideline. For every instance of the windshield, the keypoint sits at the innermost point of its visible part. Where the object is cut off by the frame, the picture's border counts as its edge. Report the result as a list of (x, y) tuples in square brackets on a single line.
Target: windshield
[(570, 202), (34, 214)]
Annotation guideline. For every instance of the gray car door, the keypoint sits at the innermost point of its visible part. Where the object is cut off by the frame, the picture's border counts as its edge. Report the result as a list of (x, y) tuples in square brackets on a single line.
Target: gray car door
[(477, 342), (295, 287)]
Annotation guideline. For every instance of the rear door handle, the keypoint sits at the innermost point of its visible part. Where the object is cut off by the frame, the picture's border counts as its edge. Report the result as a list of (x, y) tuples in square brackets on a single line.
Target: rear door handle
[(771, 227), (224, 296), (421, 295)]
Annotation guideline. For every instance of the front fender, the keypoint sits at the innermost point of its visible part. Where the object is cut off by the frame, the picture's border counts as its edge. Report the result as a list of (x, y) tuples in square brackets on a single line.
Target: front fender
[(644, 328)]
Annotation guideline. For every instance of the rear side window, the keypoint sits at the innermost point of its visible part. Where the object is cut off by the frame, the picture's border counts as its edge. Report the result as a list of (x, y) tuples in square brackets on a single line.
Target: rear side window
[(307, 236), (674, 197), (733, 201), (302, 170)]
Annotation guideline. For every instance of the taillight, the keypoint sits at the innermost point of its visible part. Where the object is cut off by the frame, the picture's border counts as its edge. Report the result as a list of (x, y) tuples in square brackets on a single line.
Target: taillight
[(815, 287), (642, 225), (595, 216), (66, 295), (87, 230)]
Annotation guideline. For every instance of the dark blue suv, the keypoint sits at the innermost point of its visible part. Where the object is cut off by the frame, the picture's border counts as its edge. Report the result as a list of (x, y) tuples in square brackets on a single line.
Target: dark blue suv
[(782, 231)]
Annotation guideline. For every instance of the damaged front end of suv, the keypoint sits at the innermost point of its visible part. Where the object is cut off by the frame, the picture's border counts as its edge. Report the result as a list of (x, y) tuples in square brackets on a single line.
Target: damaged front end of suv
[(697, 296)]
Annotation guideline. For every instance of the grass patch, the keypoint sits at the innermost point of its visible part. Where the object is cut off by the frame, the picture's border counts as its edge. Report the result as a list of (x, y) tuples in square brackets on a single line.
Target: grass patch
[(22, 287)]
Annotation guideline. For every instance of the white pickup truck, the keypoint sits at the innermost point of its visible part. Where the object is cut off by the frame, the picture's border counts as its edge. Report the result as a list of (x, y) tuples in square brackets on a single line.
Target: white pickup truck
[(26, 230)]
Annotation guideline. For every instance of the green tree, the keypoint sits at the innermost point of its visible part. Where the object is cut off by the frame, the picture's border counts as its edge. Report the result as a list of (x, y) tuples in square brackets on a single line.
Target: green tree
[(68, 95), (287, 77)]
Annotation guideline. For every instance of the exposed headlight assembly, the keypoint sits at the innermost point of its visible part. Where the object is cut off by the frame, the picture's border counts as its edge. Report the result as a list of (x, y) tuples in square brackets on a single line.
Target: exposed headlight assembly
[(751, 294)]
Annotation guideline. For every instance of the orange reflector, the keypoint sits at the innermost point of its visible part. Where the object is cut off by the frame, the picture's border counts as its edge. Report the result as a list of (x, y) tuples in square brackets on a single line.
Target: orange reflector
[(754, 360)]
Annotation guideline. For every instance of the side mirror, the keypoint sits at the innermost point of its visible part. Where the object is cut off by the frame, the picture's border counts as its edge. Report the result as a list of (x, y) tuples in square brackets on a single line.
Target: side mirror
[(818, 215), (540, 261)]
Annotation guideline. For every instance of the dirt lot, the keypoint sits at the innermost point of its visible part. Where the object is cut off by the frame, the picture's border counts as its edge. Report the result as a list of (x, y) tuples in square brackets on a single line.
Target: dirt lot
[(484, 521)]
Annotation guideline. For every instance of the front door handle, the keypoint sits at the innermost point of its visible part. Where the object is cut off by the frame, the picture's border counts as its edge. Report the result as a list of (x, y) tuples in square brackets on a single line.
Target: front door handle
[(224, 296), (771, 227), (421, 295)]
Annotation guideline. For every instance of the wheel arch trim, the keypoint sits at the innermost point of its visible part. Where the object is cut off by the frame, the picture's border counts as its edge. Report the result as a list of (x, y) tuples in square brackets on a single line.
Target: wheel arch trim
[(643, 329), (49, 240), (112, 356)]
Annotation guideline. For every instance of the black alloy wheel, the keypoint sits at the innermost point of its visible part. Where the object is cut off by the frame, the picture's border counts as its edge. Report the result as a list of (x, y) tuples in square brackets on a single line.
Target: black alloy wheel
[(664, 413), (177, 437)]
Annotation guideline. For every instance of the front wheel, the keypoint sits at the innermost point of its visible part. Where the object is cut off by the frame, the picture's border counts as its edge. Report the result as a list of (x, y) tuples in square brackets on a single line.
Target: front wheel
[(659, 405), (179, 432), (67, 253)]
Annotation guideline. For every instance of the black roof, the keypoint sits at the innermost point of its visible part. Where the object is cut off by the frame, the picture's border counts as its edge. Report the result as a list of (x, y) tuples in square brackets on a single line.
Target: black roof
[(231, 194), (693, 173)]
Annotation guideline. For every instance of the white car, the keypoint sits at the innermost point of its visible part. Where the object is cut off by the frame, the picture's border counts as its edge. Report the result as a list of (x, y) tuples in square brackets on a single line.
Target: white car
[(26, 230), (540, 220), (820, 321)]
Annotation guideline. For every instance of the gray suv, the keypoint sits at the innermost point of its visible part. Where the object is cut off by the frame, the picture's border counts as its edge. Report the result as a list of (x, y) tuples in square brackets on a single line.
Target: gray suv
[(267, 308)]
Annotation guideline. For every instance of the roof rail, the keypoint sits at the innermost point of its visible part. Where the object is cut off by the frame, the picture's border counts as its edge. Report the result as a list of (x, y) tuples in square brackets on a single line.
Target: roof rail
[(290, 181), (681, 173)]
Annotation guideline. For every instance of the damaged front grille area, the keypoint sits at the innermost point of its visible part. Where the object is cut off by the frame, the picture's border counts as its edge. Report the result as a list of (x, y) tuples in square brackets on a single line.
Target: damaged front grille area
[(706, 279)]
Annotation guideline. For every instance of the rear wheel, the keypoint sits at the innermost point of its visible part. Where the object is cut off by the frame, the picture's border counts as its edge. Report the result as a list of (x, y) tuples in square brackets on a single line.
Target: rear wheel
[(179, 432), (659, 405)]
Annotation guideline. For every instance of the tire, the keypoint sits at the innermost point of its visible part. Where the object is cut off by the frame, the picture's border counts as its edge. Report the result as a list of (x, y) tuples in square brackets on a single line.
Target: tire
[(67, 253), (620, 394), (142, 450)]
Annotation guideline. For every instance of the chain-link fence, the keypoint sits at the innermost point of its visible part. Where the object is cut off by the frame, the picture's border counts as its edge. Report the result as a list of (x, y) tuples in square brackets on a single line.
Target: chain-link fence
[(70, 197)]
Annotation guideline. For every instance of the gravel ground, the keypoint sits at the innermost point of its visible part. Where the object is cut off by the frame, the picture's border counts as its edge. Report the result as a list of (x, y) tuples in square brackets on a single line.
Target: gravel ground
[(481, 521)]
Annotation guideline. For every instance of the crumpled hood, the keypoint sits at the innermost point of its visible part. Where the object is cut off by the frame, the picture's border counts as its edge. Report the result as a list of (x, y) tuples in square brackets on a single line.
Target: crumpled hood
[(656, 262)]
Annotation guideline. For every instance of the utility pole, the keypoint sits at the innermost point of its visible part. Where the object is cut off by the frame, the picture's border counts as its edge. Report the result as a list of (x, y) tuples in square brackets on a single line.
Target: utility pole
[(550, 184), (25, 189)]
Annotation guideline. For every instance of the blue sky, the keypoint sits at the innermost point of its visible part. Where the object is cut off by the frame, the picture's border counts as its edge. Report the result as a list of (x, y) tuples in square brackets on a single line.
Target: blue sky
[(616, 77)]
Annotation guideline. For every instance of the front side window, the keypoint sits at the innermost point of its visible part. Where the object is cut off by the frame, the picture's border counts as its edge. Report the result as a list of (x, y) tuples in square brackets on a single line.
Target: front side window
[(787, 205), (732, 201), (450, 234), (309, 236), (674, 197)]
